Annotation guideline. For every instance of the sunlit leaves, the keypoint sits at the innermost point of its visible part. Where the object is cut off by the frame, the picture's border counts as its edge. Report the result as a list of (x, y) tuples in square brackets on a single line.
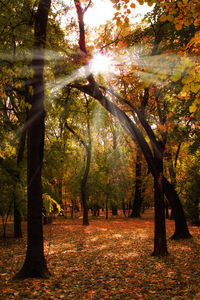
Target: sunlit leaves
[(181, 13)]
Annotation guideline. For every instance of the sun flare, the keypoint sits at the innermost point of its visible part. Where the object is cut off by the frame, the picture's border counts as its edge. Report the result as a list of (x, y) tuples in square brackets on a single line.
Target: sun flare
[(101, 63)]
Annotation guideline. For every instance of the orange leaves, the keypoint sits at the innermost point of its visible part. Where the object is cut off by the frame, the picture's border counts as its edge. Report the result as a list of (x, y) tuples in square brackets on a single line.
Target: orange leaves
[(178, 26), (132, 5), (108, 260), (184, 12), (124, 9)]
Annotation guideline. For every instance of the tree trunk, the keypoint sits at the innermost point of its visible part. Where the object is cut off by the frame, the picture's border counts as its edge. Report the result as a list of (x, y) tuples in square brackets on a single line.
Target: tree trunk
[(114, 211), (124, 207), (166, 210), (131, 128), (35, 263), (106, 207), (17, 222), (160, 245), (181, 228), (137, 203), (84, 200), (17, 214)]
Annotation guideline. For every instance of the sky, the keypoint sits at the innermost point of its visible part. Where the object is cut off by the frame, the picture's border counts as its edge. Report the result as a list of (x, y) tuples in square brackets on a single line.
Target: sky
[(103, 11)]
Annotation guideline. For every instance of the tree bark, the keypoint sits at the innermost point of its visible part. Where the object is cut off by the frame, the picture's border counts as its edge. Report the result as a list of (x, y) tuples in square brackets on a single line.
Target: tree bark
[(106, 207), (17, 214), (137, 137), (160, 245), (181, 228), (137, 202), (35, 263), (17, 221), (83, 189)]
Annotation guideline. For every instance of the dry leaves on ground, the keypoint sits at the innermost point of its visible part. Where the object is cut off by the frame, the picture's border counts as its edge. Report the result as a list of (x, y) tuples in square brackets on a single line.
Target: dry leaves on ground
[(110, 259)]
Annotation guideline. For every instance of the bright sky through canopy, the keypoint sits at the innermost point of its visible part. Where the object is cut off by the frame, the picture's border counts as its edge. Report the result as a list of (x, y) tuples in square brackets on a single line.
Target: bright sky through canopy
[(100, 63), (102, 11)]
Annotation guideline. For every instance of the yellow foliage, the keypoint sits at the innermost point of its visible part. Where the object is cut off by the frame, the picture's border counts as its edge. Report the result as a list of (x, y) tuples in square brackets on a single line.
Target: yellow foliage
[(193, 108), (186, 88), (187, 79), (175, 77), (195, 87)]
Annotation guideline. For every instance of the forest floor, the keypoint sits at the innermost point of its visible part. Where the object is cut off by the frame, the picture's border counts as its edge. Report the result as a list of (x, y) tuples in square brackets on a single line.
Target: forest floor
[(109, 259)]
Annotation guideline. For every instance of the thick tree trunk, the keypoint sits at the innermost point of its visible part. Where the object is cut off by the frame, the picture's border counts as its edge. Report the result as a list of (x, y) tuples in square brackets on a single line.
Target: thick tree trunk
[(17, 214), (160, 245), (35, 263), (181, 228)]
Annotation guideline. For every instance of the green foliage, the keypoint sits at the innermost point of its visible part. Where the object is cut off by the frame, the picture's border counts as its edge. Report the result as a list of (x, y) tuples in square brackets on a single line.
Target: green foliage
[(50, 204), (192, 194), (6, 192)]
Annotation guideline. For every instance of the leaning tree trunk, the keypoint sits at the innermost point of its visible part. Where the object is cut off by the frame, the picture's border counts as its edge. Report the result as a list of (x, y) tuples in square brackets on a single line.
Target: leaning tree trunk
[(35, 263), (181, 228), (94, 91)]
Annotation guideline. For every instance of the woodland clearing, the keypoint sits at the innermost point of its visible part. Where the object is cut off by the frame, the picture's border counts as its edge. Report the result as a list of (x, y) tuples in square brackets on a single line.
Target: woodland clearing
[(109, 259)]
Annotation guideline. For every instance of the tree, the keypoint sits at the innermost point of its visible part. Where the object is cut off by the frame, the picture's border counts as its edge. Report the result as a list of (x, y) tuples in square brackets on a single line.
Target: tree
[(35, 263), (154, 160), (88, 149)]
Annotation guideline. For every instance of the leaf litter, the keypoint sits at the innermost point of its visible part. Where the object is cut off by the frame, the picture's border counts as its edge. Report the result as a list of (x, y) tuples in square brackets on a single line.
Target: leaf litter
[(109, 259)]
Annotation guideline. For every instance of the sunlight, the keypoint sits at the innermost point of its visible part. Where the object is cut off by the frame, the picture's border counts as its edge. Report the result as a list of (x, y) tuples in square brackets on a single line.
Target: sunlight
[(101, 63), (97, 14), (102, 11)]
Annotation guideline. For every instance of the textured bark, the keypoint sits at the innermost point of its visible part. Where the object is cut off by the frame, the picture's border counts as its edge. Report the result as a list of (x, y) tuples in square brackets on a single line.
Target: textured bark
[(35, 263)]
